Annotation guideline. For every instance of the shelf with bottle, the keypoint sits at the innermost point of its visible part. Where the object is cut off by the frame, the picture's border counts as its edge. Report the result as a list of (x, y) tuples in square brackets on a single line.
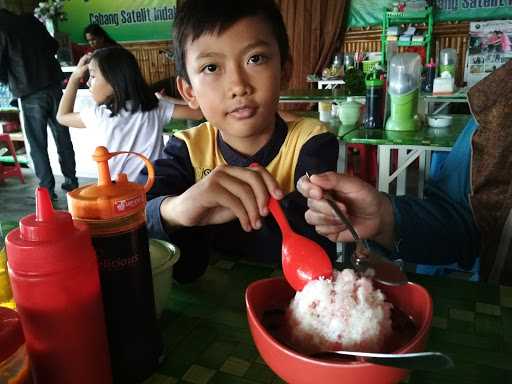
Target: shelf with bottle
[(408, 16), (417, 34)]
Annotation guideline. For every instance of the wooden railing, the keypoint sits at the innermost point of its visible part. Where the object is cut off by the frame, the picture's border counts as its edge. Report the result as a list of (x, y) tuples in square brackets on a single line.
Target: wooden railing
[(154, 64), (446, 35)]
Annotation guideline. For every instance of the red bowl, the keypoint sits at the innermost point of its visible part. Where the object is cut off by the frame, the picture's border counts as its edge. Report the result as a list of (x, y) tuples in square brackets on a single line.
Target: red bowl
[(295, 368)]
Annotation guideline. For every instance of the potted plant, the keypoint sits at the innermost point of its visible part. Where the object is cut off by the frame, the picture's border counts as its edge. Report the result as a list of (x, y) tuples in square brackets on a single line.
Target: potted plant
[(49, 13)]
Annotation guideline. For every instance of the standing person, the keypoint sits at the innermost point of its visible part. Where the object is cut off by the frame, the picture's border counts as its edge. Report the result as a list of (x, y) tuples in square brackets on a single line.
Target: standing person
[(98, 38), (127, 115), (232, 59), (28, 65)]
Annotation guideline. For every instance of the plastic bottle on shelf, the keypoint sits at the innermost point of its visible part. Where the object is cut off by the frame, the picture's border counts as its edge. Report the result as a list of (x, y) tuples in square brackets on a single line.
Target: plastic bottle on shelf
[(430, 75), (374, 101), (56, 286)]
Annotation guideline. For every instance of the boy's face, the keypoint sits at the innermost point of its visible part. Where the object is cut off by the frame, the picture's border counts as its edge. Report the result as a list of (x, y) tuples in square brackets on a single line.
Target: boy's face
[(235, 80)]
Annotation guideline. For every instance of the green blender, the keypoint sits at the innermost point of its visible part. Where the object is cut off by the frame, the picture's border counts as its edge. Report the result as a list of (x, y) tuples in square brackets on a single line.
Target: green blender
[(403, 89)]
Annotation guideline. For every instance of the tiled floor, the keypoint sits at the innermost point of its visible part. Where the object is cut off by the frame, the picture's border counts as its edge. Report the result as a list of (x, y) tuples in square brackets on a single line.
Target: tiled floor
[(17, 199)]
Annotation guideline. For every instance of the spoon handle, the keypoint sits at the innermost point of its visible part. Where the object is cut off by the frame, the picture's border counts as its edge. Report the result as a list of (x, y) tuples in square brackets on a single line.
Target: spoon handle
[(341, 216), (332, 203), (275, 208), (421, 360)]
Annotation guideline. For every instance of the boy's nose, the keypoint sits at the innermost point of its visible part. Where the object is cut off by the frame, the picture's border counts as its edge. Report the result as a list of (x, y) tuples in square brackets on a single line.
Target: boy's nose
[(239, 84)]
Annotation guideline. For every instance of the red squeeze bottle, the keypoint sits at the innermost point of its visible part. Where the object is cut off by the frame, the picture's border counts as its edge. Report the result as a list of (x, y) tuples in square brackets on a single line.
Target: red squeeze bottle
[(56, 286)]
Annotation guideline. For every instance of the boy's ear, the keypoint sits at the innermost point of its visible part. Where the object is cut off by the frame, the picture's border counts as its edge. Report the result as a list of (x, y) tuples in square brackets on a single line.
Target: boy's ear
[(186, 91), (286, 73)]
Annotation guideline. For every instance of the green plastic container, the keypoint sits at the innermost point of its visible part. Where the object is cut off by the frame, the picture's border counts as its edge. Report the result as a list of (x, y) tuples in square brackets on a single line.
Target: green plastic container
[(403, 112)]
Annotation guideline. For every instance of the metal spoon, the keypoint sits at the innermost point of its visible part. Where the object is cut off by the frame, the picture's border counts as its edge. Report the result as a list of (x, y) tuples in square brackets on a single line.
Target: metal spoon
[(386, 272), (420, 360)]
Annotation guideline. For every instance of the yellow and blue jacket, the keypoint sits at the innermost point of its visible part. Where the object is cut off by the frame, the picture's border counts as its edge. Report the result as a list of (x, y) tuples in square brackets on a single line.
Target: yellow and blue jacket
[(295, 148)]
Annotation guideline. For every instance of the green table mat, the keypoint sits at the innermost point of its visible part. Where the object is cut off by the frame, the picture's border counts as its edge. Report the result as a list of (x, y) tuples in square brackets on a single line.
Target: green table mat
[(208, 340)]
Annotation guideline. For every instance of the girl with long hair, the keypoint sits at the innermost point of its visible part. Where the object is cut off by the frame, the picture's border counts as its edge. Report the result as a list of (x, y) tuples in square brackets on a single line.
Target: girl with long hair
[(127, 116)]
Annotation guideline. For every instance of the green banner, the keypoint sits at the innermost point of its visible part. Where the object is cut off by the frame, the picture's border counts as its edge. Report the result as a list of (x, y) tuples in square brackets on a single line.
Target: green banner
[(124, 20), (370, 12)]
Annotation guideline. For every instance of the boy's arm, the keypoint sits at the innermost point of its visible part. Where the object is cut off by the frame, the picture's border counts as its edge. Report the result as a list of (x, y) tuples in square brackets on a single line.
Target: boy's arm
[(225, 194), (65, 114), (174, 174), (319, 154)]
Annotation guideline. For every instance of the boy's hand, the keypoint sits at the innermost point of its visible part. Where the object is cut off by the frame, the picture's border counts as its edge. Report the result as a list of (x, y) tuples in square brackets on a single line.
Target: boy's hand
[(225, 194), (369, 211)]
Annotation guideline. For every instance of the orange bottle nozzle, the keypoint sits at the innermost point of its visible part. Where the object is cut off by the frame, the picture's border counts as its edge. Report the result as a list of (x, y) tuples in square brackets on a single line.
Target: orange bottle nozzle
[(101, 156), (44, 207)]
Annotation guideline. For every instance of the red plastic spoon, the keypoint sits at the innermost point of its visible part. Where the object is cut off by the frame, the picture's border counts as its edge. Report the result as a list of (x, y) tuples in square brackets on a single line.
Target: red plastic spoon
[(303, 259)]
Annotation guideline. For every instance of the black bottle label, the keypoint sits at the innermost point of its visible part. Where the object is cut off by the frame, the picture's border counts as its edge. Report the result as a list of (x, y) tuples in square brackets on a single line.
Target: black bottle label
[(127, 287)]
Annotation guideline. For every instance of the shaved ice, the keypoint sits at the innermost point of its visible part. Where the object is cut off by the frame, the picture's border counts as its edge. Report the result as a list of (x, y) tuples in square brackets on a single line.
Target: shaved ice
[(345, 313)]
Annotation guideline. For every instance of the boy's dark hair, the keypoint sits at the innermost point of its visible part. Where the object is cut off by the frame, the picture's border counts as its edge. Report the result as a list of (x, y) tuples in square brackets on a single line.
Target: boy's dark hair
[(96, 30), (121, 70), (198, 17)]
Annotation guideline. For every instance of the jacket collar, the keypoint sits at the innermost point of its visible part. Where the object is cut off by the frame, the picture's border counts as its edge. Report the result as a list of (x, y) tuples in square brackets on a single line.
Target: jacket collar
[(264, 156)]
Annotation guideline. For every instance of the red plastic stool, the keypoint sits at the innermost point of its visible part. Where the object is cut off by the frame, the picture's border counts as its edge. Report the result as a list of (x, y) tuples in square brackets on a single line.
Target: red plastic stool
[(10, 170), (367, 169)]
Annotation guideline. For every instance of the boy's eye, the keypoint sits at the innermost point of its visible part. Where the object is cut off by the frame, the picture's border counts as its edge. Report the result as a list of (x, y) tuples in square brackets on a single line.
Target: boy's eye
[(256, 59), (210, 68)]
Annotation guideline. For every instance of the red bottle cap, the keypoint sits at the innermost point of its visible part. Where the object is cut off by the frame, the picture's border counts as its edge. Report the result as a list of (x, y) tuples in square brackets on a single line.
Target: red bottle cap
[(432, 64), (11, 334), (47, 241), (46, 224)]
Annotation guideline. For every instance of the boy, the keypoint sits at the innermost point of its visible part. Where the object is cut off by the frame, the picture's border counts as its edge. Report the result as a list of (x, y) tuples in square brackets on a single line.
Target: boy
[(231, 57)]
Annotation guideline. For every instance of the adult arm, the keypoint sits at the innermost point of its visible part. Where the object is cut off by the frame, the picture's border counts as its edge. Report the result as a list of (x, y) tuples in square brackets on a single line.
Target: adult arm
[(50, 42), (434, 230), (3, 59)]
